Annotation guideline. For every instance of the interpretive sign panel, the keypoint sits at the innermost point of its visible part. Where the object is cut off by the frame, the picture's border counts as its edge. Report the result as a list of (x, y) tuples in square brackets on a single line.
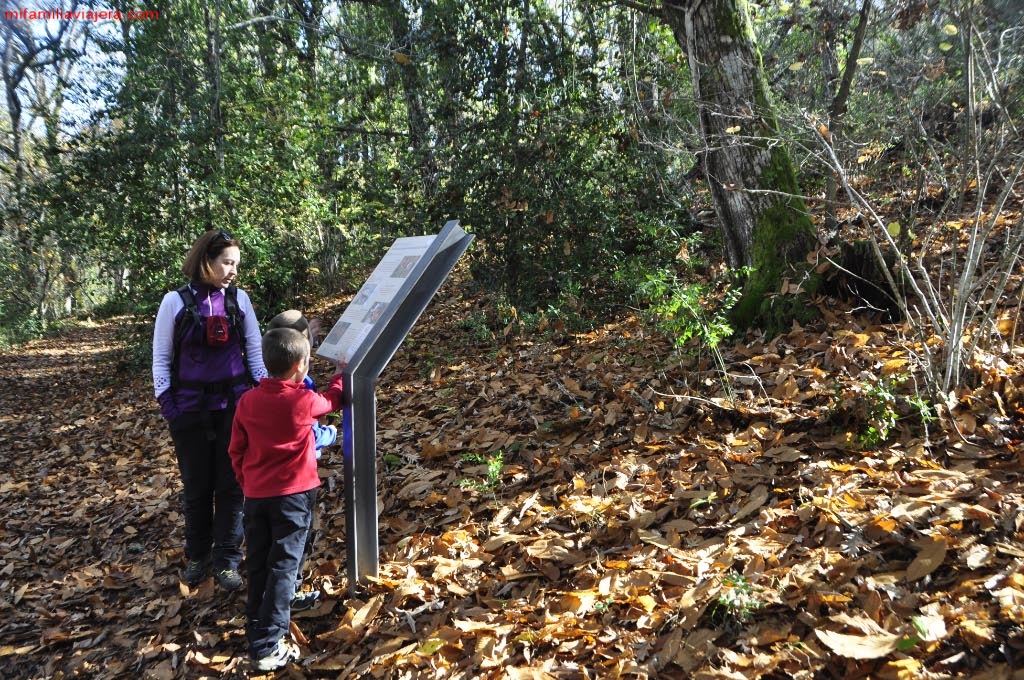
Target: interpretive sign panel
[(365, 338), (379, 290)]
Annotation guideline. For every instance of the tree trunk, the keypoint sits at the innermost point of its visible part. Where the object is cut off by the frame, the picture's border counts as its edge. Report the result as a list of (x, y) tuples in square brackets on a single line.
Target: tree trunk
[(841, 99), (764, 221), (18, 54), (211, 19), (419, 122)]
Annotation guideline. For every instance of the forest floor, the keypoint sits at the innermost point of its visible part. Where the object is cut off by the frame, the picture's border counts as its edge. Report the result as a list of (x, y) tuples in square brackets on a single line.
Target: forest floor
[(552, 505)]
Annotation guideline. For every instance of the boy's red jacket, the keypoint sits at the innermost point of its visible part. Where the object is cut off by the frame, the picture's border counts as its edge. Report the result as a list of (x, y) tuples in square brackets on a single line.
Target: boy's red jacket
[(271, 445)]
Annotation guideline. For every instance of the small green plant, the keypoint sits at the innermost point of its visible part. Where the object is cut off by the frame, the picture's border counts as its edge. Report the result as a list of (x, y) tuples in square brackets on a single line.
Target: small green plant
[(739, 598), (705, 501), (694, 311), (475, 325), (567, 312), (686, 311), (515, 322), (874, 407), (923, 631), (880, 418), (923, 408), (494, 463), (924, 411), (427, 367)]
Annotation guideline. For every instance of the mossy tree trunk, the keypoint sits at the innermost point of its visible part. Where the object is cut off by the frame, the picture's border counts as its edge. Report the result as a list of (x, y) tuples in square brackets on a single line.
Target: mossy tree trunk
[(412, 87), (764, 221)]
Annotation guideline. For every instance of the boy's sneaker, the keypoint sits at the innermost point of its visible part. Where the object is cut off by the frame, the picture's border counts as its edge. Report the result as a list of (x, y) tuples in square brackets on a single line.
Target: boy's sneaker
[(304, 599), (279, 657), (195, 572), (228, 579)]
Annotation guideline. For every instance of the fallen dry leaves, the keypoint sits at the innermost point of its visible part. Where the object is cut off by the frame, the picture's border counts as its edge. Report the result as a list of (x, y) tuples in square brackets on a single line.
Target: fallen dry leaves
[(639, 523)]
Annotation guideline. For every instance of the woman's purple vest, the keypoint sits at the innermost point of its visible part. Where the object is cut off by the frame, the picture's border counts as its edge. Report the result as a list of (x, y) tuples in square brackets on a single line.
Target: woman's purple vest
[(205, 377)]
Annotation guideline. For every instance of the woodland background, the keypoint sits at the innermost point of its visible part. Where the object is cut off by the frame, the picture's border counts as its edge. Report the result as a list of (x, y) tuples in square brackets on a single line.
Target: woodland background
[(592, 466)]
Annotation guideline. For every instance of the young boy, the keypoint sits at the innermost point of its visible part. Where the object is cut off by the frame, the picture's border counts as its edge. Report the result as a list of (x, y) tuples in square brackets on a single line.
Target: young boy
[(273, 456), (323, 436)]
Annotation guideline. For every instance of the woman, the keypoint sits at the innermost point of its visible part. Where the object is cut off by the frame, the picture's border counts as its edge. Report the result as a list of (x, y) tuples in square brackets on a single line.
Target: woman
[(206, 353)]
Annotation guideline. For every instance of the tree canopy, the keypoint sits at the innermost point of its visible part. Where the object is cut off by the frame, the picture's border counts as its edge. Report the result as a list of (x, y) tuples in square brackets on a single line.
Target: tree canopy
[(573, 139)]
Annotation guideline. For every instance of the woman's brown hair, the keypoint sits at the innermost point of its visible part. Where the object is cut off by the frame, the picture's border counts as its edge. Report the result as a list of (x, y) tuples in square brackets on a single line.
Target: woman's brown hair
[(205, 250)]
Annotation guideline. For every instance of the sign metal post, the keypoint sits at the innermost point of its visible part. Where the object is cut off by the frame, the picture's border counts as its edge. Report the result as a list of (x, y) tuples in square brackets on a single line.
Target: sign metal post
[(366, 337)]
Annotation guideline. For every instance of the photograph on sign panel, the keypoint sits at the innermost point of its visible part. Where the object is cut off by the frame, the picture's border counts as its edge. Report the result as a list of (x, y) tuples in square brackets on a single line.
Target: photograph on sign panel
[(405, 266), (365, 293), (335, 335), (375, 311)]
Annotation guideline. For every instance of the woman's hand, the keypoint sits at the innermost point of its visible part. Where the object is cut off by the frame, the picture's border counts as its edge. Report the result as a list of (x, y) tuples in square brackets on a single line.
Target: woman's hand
[(314, 331)]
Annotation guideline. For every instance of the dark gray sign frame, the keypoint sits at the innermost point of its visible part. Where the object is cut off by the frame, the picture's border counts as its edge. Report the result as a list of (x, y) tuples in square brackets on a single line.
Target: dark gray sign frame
[(359, 426)]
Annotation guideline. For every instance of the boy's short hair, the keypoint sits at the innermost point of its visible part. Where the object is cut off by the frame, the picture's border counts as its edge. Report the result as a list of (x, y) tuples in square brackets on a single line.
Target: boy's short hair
[(291, 318), (282, 349)]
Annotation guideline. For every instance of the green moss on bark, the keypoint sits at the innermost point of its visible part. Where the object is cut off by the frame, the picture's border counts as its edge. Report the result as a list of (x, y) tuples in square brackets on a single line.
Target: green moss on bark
[(781, 238), (729, 21)]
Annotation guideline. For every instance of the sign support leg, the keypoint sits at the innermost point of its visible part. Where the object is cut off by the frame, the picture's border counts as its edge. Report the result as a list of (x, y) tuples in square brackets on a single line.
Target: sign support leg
[(359, 433)]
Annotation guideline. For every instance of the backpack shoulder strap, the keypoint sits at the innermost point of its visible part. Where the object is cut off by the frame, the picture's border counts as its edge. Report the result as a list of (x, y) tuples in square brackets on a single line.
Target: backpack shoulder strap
[(234, 316), (188, 318), (188, 298), (231, 307)]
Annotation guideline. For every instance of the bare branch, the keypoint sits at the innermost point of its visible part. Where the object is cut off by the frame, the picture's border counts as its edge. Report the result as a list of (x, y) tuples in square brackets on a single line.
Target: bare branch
[(269, 19), (653, 8)]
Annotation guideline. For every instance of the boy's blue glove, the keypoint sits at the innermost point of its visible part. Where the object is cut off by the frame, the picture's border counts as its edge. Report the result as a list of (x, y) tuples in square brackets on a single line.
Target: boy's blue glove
[(323, 435), (168, 409)]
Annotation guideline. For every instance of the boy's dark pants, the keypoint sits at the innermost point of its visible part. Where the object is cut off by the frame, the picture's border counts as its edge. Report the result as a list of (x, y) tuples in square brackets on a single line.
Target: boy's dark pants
[(307, 550), (275, 535), (213, 499)]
